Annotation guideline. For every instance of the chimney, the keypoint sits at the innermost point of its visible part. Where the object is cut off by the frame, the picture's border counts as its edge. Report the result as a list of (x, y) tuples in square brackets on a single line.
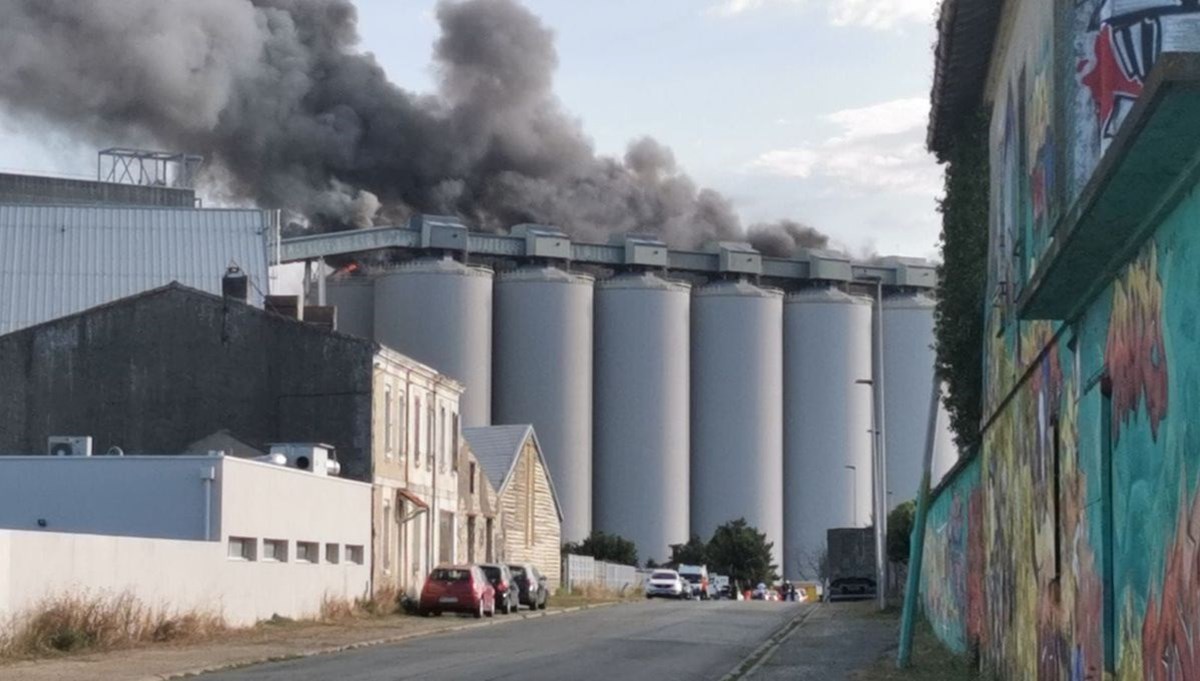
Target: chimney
[(234, 284)]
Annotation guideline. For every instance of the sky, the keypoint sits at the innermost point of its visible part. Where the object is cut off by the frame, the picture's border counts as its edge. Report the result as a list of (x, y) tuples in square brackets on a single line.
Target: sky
[(812, 110)]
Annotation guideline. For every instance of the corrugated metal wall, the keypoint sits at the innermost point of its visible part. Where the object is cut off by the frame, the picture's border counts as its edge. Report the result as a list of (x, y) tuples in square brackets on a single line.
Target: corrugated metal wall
[(58, 260)]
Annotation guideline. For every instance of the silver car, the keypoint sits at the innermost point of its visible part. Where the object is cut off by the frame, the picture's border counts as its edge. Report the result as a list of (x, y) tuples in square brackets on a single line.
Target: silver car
[(667, 584)]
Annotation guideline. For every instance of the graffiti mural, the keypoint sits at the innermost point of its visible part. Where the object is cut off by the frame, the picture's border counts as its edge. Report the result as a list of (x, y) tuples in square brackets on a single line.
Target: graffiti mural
[(952, 579), (1135, 356)]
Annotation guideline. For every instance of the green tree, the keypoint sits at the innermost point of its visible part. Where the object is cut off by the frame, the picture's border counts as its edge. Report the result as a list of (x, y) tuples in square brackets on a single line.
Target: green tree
[(742, 552), (962, 281), (694, 552), (611, 548), (899, 531)]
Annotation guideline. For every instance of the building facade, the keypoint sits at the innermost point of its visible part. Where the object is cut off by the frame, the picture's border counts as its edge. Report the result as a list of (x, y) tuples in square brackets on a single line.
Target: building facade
[(530, 514), (239, 539), (170, 369), (1065, 549), (480, 527)]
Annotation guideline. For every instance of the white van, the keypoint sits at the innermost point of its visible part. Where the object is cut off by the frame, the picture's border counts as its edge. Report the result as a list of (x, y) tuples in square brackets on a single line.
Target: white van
[(698, 576)]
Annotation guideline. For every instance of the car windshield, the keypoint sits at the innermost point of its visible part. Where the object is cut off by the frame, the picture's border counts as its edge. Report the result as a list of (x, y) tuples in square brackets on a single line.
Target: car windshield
[(694, 579), (663, 575), (450, 575), (517, 570)]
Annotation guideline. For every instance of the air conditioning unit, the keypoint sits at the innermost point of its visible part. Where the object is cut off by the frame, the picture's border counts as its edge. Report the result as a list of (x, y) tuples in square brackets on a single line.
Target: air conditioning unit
[(316, 458), (69, 445)]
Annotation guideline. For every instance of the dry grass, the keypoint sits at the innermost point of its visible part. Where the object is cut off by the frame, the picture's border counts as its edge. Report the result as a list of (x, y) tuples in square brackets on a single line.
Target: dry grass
[(592, 593), (71, 623)]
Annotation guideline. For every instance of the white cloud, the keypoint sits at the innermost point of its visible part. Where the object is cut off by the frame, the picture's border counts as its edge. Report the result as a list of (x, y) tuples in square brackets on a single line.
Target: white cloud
[(874, 14), (878, 148)]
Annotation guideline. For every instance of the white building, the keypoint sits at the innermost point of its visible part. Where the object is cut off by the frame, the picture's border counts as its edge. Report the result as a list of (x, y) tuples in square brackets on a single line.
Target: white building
[(242, 539)]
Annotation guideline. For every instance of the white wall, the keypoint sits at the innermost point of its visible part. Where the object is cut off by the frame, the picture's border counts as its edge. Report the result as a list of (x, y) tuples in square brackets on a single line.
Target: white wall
[(177, 576), (96, 507), (150, 496)]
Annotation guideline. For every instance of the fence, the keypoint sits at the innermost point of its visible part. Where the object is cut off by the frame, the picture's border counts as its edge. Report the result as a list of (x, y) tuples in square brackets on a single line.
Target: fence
[(580, 571)]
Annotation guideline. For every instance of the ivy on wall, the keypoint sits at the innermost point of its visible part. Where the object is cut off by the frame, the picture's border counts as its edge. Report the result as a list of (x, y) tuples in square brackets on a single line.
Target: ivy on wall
[(959, 318)]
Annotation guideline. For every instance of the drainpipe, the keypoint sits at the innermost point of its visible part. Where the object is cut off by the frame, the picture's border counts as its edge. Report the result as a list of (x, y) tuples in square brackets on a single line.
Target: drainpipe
[(206, 477), (916, 547)]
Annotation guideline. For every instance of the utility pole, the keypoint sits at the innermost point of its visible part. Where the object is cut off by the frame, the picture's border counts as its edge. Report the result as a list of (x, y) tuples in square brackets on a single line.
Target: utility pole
[(879, 497)]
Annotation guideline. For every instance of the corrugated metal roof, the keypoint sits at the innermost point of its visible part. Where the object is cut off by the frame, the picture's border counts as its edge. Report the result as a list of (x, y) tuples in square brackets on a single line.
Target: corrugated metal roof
[(496, 449), (966, 36), (56, 260)]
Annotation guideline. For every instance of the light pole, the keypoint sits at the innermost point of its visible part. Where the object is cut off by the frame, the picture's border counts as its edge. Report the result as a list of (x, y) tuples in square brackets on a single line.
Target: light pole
[(854, 477)]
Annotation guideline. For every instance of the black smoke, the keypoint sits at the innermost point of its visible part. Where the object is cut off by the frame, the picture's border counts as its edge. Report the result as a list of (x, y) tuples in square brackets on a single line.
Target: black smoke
[(290, 113)]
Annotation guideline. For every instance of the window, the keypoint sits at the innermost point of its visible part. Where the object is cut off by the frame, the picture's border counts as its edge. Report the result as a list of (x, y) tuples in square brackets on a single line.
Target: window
[(308, 552), (242, 548), (387, 422), (354, 553), (387, 537), (402, 420), (333, 554), (454, 440), (417, 431), (275, 549), (446, 537), (472, 469), (442, 440), (429, 451)]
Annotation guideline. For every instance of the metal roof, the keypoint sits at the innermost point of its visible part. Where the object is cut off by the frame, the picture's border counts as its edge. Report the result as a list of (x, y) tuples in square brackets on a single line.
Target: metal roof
[(56, 260), (966, 35), (497, 448)]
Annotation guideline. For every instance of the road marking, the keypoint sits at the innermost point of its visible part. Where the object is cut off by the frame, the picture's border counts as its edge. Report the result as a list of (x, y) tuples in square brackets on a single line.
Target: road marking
[(761, 654)]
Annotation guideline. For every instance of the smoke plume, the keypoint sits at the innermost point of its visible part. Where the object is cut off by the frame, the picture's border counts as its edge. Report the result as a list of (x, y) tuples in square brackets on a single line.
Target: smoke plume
[(290, 113)]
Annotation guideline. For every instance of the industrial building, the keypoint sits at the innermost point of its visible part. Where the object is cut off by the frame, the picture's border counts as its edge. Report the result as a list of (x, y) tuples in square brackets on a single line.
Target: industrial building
[(673, 390), (242, 540)]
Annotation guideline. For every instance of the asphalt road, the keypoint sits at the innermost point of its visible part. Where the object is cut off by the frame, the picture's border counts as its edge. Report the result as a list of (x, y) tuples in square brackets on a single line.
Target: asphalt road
[(658, 640)]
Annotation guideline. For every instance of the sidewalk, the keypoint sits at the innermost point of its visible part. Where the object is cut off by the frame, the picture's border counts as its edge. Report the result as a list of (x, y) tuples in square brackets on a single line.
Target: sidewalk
[(836, 640), (263, 643)]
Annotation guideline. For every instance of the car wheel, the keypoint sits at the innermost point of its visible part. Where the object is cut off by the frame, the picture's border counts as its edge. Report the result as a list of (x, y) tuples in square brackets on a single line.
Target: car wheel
[(542, 605)]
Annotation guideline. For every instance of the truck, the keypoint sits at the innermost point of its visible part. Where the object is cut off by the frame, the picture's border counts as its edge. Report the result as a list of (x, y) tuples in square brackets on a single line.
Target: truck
[(698, 576)]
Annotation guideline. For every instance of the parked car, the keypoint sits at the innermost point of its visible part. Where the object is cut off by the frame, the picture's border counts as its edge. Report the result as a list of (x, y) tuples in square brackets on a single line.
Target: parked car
[(458, 588), (849, 588), (508, 594), (698, 576), (720, 585), (531, 585), (667, 584)]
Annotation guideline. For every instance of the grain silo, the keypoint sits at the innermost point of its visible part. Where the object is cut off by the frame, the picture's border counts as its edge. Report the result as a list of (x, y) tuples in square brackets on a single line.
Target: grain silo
[(543, 376), (439, 312), (827, 422), (642, 402), (737, 409), (908, 365), (354, 298)]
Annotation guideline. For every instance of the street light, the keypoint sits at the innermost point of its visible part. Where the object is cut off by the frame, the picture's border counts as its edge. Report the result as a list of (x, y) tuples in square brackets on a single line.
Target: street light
[(879, 500), (854, 470)]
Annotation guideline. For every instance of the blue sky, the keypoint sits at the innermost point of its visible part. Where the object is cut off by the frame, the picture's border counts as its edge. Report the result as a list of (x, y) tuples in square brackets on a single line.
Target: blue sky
[(806, 109)]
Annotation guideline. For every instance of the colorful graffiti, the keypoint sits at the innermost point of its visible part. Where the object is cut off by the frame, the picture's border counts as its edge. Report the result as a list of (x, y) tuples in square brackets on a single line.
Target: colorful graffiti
[(952, 580), (1135, 357), (1172, 623)]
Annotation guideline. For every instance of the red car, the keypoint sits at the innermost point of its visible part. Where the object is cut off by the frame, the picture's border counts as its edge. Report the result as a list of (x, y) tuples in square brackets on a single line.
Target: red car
[(458, 588)]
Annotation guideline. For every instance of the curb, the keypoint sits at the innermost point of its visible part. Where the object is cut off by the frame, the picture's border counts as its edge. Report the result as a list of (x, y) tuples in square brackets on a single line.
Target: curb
[(763, 652), (398, 638)]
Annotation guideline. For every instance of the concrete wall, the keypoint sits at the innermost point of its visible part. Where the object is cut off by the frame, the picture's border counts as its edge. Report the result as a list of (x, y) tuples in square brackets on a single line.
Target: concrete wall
[(952, 568), (177, 576), (90, 502), (158, 371)]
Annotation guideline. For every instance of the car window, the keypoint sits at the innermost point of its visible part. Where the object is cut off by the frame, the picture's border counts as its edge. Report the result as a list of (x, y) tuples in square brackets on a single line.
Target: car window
[(450, 575), (663, 575), (694, 579), (491, 571)]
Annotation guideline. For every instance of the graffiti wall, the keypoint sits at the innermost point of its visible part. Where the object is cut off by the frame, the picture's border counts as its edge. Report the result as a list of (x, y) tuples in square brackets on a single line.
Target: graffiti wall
[(1070, 549), (952, 568)]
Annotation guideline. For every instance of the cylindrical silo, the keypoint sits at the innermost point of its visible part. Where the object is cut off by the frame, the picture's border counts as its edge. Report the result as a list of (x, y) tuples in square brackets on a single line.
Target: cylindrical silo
[(908, 366), (641, 406), (543, 376), (737, 409), (354, 298), (439, 312), (827, 422)]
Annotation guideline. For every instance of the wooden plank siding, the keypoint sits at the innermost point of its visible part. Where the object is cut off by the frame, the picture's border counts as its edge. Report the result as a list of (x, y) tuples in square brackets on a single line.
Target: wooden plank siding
[(532, 530)]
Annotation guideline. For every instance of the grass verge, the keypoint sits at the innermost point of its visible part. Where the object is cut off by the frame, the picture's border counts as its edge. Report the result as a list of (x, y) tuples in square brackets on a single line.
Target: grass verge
[(591, 593), (931, 661)]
